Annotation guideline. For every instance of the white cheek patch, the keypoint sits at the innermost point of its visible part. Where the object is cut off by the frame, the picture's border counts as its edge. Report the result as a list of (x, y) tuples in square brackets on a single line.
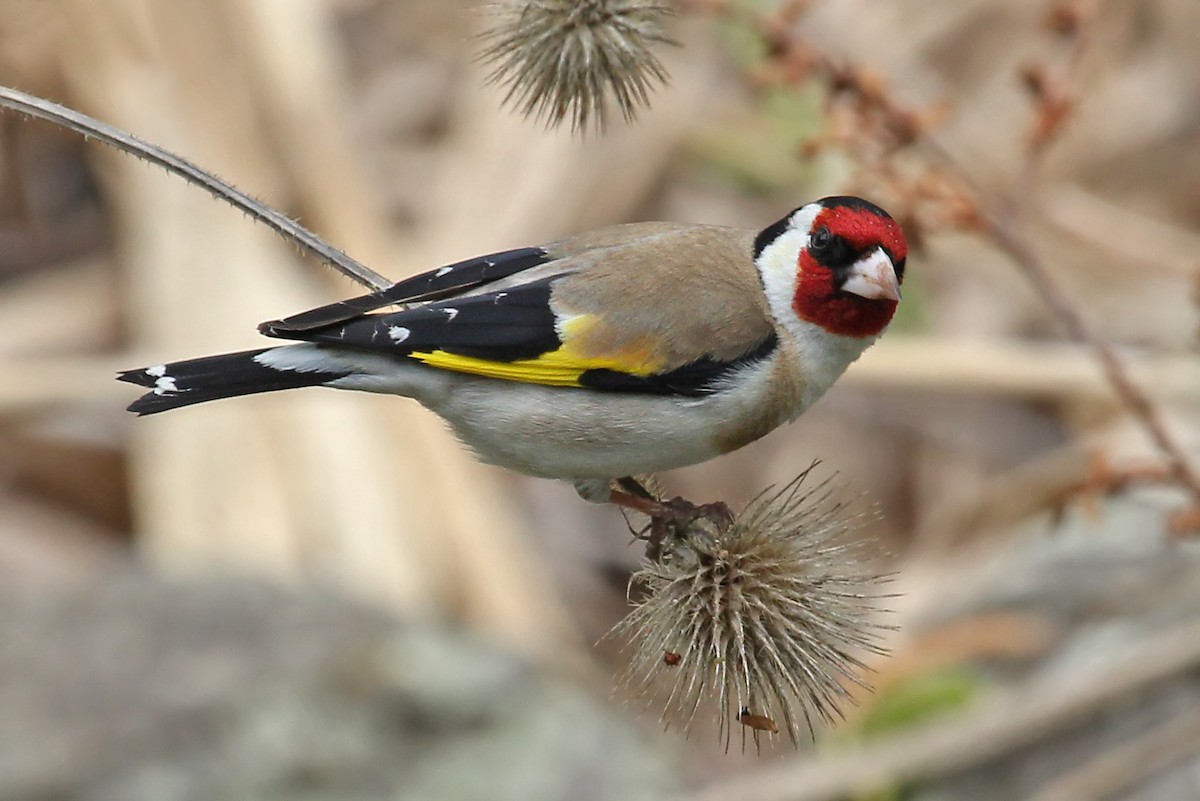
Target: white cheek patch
[(779, 262), (777, 265)]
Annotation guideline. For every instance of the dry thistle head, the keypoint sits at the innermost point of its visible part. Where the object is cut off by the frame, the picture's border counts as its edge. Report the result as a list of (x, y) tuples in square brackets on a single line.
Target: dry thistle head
[(766, 616), (561, 58)]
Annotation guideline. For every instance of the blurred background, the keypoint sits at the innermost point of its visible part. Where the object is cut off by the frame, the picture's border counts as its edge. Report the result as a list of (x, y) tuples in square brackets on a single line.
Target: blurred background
[(319, 594)]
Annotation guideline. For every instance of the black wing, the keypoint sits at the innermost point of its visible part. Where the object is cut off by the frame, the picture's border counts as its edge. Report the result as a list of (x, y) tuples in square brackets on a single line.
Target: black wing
[(433, 285), (505, 326)]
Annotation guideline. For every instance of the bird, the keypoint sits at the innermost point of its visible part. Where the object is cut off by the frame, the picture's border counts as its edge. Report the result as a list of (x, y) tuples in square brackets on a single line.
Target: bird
[(605, 355)]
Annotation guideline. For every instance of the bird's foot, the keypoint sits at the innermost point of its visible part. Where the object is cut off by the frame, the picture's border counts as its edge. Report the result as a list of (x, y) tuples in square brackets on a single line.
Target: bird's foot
[(669, 519)]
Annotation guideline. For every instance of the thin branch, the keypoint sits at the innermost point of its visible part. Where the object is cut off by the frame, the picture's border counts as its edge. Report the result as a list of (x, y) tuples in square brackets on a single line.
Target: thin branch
[(289, 229), (1004, 233), (1054, 102)]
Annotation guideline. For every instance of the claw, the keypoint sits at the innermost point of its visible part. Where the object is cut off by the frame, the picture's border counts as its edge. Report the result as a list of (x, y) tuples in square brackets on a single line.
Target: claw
[(669, 520)]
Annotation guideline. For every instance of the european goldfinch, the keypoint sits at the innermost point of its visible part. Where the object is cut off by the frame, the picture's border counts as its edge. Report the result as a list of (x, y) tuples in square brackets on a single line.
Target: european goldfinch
[(627, 350)]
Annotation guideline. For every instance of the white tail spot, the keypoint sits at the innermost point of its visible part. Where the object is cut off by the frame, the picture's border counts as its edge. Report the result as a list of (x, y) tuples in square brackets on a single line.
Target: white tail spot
[(164, 385)]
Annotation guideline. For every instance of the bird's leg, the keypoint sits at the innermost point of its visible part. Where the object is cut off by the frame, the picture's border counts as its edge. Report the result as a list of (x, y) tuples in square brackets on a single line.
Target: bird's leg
[(631, 494), (669, 519)]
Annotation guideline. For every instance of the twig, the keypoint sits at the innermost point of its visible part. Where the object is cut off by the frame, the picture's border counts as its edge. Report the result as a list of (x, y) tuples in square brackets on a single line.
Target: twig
[(1138, 403), (1002, 223), (283, 225)]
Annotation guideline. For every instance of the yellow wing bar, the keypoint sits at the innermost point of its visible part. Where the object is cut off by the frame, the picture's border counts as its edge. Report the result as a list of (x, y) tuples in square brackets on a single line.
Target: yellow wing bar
[(561, 367)]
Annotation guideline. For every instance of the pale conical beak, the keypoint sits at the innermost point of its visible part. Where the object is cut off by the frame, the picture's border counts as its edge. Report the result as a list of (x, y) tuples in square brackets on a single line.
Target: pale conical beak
[(873, 277)]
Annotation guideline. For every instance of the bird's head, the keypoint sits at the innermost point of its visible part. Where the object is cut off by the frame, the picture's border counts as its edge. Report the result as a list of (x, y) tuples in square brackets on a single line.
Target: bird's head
[(836, 264)]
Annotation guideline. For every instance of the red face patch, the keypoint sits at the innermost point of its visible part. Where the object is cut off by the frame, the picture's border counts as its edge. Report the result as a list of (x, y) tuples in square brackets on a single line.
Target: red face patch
[(818, 299)]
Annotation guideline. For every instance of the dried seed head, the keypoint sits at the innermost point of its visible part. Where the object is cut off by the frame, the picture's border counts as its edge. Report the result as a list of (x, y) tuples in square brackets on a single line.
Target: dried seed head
[(768, 616), (560, 58)]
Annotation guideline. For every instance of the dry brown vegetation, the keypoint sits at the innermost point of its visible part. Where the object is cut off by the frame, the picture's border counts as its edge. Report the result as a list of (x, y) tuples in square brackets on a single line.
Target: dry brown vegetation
[(1044, 154)]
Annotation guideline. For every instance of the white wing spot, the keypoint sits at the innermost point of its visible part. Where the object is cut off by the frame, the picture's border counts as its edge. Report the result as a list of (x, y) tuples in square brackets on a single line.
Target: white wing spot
[(442, 272), (157, 371), (499, 296), (398, 333), (164, 385), (451, 312)]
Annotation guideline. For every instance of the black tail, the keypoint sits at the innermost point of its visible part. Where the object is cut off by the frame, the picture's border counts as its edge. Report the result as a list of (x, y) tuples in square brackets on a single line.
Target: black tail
[(214, 377)]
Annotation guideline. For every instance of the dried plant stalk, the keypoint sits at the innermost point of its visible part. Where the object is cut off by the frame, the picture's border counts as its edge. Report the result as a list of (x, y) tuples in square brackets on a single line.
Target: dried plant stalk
[(280, 223)]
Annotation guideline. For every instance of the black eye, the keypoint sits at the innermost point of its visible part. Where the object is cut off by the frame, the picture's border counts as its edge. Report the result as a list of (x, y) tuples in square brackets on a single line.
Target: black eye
[(820, 239)]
